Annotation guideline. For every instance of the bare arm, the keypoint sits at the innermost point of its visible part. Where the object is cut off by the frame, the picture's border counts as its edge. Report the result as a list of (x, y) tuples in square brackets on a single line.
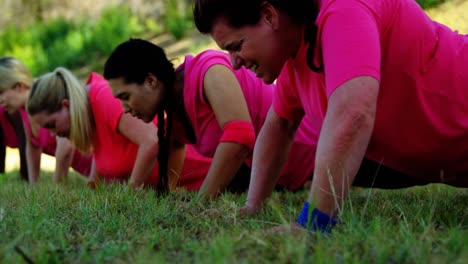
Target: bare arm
[(33, 158), (343, 141), (270, 154), (226, 162), (227, 100), (93, 174), (143, 135), (63, 158)]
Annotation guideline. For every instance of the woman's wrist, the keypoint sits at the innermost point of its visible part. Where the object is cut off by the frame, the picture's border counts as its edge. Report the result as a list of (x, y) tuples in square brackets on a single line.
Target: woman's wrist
[(314, 220), (253, 205)]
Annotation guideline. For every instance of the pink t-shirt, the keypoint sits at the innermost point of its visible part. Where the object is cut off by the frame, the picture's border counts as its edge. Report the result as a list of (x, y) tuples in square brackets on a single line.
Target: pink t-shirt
[(194, 170), (44, 140), (421, 125), (9, 135), (115, 154), (258, 97)]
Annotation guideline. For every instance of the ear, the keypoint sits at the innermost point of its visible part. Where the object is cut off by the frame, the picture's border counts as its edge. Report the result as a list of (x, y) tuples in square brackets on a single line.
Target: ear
[(66, 103), (270, 15), (151, 80)]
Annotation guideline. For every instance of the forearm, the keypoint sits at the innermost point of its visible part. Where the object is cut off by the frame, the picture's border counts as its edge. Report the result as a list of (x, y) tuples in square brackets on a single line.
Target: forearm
[(146, 159), (93, 174), (227, 160), (33, 158), (270, 154), (343, 142), (64, 157)]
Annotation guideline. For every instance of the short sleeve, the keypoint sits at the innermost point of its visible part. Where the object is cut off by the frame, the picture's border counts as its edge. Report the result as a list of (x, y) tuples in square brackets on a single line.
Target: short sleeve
[(286, 101), (106, 108), (350, 42)]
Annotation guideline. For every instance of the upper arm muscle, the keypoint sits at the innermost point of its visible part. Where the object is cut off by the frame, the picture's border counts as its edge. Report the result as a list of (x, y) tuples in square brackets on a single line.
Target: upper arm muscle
[(225, 95)]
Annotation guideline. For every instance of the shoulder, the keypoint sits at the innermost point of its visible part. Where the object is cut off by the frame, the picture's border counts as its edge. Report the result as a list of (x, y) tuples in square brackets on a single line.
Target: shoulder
[(204, 60), (98, 88)]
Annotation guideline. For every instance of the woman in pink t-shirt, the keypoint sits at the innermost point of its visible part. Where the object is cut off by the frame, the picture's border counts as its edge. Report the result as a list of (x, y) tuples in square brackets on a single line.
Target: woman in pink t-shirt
[(123, 147), (15, 83), (12, 136), (218, 110), (388, 84)]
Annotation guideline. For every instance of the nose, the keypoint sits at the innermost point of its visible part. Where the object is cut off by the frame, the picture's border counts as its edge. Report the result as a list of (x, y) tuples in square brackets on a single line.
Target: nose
[(236, 60), (126, 109)]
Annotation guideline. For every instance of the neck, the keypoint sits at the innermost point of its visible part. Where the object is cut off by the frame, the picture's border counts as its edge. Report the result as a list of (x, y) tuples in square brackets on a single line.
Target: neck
[(179, 108), (290, 32)]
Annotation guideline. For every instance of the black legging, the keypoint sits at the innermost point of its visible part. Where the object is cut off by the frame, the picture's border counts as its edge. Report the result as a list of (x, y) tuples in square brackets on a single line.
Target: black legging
[(376, 175), (370, 174)]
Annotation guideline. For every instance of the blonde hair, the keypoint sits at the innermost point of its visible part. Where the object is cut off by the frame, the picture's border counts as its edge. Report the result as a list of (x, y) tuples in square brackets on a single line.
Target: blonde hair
[(13, 71), (47, 94)]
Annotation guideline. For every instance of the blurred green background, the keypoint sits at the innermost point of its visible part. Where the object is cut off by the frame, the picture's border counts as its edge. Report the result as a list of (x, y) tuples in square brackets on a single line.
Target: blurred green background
[(45, 34)]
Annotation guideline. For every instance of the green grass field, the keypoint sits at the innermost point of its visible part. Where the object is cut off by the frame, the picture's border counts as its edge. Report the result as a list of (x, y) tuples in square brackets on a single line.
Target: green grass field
[(69, 223)]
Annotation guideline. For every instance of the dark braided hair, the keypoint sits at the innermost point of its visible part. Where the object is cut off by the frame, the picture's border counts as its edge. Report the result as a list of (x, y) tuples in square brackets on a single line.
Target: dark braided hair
[(133, 60), (239, 13)]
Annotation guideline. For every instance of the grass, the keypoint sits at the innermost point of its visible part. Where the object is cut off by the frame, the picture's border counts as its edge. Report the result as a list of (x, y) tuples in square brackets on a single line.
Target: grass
[(52, 223)]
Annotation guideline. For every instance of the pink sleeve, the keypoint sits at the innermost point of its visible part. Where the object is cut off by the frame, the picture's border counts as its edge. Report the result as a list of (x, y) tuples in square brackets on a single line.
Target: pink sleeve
[(286, 102), (106, 109), (350, 43)]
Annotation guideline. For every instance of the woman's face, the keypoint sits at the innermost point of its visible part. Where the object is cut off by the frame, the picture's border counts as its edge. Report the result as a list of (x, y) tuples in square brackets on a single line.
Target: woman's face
[(12, 99), (258, 47), (58, 123), (140, 100)]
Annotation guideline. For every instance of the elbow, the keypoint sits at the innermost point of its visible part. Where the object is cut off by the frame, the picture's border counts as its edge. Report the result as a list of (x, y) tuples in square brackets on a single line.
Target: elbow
[(355, 116), (151, 145), (64, 155), (359, 119), (354, 103), (351, 120)]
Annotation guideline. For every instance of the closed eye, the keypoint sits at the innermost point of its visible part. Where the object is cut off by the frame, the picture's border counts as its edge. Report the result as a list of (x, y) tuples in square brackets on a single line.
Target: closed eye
[(123, 96), (234, 47), (50, 125)]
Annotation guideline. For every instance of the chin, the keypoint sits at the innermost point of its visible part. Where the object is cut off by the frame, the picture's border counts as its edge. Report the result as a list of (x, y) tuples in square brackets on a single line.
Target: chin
[(268, 80), (147, 119)]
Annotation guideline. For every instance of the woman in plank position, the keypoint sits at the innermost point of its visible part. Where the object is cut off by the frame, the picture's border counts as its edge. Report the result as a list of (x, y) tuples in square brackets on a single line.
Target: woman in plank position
[(384, 81)]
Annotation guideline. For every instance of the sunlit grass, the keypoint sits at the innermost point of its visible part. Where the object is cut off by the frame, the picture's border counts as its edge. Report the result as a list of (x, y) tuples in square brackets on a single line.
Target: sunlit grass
[(70, 223)]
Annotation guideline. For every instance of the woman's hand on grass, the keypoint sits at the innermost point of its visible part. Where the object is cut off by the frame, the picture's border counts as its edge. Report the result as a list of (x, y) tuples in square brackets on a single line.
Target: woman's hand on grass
[(91, 184), (249, 210)]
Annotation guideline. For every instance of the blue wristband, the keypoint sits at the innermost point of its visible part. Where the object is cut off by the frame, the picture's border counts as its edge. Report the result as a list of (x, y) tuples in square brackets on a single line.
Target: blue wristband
[(315, 220)]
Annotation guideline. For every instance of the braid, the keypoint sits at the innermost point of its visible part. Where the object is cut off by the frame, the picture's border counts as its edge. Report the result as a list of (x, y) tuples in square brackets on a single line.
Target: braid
[(163, 154)]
